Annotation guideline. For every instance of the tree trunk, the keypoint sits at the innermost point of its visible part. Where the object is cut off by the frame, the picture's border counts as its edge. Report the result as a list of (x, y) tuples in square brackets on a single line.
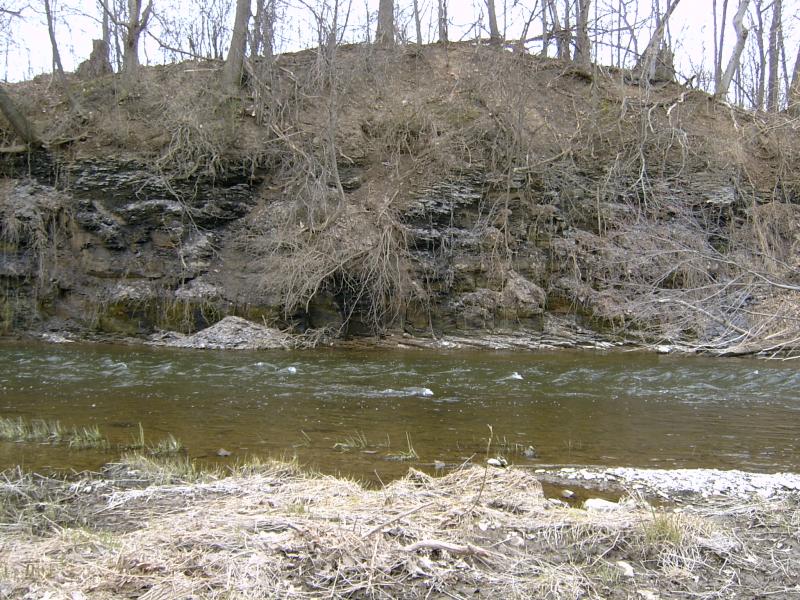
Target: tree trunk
[(417, 23), (384, 34), (257, 38), (494, 31), (647, 64), (562, 41), (19, 122), (583, 49), (263, 38), (794, 89), (51, 30), (784, 64), (234, 63), (545, 31), (566, 33), (733, 63), (105, 27), (520, 46), (137, 22), (761, 82), (442, 19), (719, 42), (773, 82), (106, 35)]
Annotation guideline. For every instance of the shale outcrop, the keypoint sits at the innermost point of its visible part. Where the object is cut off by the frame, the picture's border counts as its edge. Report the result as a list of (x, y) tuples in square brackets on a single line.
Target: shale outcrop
[(450, 190)]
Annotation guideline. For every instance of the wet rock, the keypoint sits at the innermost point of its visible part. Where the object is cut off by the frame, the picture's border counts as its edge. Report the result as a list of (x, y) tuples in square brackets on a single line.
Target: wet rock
[(671, 483), (55, 338)]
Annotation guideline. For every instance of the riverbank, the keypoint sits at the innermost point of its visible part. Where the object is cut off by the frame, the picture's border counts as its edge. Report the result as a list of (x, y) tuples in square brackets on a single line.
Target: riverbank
[(144, 529), (451, 204), (557, 333)]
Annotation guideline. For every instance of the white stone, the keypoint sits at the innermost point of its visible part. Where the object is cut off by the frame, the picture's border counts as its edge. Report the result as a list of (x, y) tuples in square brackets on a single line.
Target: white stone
[(600, 505), (626, 568)]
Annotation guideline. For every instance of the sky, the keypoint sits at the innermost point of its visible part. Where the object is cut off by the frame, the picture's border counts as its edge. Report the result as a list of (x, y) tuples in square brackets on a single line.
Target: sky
[(27, 52)]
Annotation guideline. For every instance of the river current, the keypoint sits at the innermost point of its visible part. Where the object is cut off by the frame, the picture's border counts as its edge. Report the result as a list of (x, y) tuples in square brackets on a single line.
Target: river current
[(357, 412)]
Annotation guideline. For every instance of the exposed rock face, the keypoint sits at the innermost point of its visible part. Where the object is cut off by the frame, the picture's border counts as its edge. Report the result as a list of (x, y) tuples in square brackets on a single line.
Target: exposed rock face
[(461, 203), (130, 258), (465, 257)]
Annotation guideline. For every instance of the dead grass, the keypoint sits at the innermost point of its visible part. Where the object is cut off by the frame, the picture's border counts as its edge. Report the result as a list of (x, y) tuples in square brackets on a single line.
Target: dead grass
[(272, 530)]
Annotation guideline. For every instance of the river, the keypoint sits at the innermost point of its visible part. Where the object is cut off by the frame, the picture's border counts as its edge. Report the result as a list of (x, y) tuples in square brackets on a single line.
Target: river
[(355, 412)]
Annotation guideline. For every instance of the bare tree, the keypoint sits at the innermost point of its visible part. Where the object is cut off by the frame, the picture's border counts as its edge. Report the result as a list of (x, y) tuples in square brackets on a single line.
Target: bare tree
[(136, 24), (384, 34), (494, 32), (545, 29), (51, 30), (761, 65), (442, 20), (719, 41), (263, 37), (649, 60), (234, 63), (105, 28), (523, 38), (741, 38), (417, 23), (794, 89), (137, 21), (583, 50), (559, 32), (773, 82)]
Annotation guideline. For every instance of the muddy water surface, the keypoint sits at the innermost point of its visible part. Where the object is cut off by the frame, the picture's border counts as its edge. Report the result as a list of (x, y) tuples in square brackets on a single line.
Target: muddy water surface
[(354, 412)]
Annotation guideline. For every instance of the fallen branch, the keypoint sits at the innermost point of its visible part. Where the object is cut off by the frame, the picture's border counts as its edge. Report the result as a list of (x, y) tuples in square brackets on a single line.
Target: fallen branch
[(397, 518), (18, 149), (704, 312)]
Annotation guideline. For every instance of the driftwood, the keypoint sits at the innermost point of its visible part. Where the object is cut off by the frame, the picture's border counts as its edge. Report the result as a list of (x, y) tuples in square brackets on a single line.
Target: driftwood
[(18, 149)]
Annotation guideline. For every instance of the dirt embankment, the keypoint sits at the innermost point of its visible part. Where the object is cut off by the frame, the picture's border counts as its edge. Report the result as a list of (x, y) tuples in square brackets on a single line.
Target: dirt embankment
[(274, 531), (447, 190)]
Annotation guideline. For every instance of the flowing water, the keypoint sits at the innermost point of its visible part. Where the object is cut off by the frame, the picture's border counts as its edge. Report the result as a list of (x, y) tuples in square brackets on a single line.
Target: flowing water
[(355, 412)]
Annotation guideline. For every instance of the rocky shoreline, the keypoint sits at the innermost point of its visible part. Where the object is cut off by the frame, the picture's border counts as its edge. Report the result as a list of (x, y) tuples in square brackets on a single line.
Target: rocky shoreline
[(236, 333), (677, 485)]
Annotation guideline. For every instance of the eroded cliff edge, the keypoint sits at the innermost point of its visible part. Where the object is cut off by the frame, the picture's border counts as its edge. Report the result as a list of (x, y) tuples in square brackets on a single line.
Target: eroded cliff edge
[(453, 190)]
